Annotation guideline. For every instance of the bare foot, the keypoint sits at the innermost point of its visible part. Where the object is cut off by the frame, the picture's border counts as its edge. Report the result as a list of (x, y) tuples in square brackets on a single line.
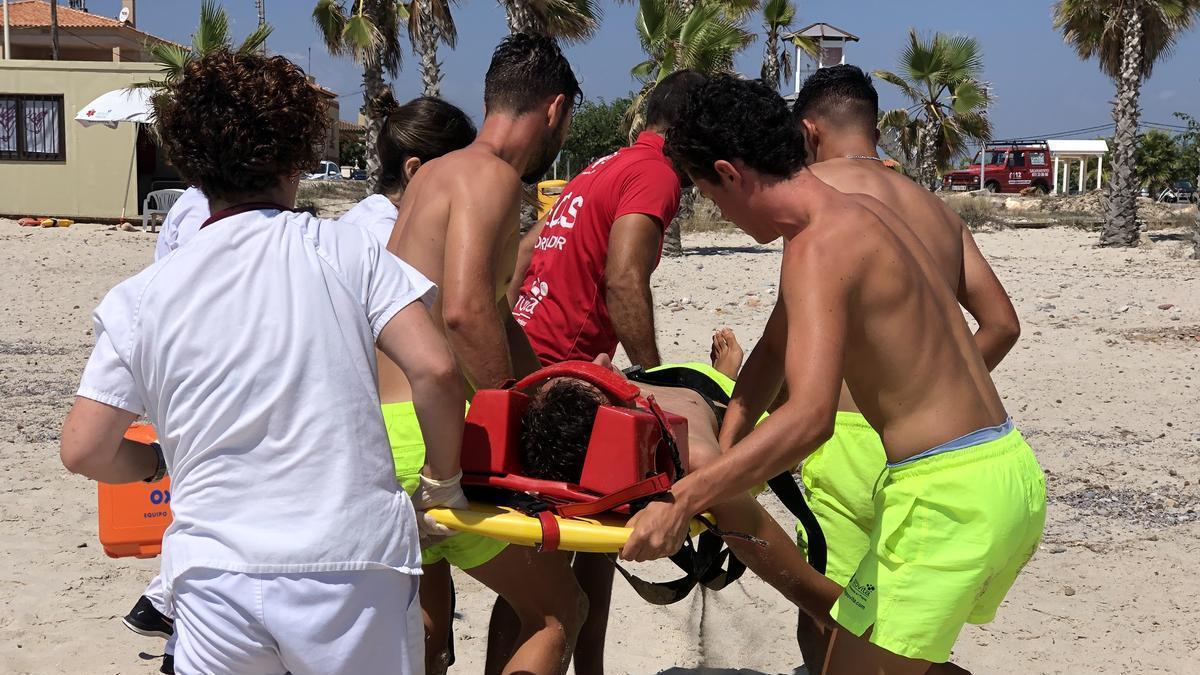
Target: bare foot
[(726, 354)]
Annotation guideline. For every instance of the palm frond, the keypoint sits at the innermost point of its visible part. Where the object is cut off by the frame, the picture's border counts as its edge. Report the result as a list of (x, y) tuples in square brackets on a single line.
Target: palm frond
[(900, 83), (811, 46), (255, 40), (213, 31), (330, 19), (570, 21), (361, 38)]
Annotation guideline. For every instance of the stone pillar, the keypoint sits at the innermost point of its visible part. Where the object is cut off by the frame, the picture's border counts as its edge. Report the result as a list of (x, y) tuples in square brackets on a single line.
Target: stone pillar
[(1082, 173)]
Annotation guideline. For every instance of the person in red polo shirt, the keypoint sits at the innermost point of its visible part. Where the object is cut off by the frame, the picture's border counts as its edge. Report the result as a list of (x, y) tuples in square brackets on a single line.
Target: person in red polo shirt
[(586, 286)]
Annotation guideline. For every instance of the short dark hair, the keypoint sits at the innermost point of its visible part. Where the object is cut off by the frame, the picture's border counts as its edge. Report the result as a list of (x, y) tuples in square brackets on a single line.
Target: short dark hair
[(664, 103), (425, 128), (527, 69), (730, 118), (556, 429), (840, 94), (235, 123)]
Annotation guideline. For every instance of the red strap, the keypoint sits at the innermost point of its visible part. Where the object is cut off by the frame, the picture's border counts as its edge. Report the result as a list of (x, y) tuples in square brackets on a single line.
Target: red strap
[(550, 533), (654, 485)]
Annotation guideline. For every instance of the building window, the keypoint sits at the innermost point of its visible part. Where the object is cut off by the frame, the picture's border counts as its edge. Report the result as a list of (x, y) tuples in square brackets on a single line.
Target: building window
[(32, 127)]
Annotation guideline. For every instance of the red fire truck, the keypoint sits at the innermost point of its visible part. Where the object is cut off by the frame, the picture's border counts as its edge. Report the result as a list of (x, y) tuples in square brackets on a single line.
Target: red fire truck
[(1012, 166)]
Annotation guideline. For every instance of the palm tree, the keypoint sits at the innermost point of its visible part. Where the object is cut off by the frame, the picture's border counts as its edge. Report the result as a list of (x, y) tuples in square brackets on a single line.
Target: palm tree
[(940, 77), (212, 34), (370, 34), (701, 35), (1128, 37), (567, 20), (430, 22), (778, 16)]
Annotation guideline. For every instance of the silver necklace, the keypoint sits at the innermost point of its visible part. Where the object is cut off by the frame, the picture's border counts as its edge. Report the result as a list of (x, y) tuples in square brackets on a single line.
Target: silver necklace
[(873, 159)]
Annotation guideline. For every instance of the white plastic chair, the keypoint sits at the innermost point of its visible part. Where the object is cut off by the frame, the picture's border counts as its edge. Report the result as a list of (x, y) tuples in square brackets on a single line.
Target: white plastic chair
[(163, 200)]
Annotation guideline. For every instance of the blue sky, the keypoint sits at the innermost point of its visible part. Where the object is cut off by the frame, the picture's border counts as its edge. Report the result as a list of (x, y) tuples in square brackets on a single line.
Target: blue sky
[(1039, 85)]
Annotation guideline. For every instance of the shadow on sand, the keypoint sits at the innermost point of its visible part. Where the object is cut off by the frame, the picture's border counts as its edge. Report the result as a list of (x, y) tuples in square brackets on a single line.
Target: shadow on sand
[(722, 250), (703, 670)]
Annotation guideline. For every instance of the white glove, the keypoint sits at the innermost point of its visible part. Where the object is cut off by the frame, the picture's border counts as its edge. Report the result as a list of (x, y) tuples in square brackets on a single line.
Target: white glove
[(432, 493)]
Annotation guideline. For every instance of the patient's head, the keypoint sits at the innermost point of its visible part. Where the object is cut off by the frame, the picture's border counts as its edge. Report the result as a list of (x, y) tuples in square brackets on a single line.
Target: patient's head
[(556, 429)]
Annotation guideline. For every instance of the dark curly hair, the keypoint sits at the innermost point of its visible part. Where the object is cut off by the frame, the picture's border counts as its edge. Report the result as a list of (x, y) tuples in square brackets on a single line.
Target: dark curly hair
[(665, 102), (842, 94), (236, 124), (556, 429), (425, 128), (730, 118), (526, 69)]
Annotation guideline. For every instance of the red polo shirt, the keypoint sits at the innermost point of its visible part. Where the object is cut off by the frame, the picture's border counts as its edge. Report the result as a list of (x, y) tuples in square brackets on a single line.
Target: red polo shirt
[(563, 303)]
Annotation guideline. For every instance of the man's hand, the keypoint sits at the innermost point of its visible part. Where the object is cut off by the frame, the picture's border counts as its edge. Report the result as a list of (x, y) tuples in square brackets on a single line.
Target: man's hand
[(658, 531)]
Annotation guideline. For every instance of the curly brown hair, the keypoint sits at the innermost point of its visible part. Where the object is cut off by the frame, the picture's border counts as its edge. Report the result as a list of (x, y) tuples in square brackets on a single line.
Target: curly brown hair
[(236, 124)]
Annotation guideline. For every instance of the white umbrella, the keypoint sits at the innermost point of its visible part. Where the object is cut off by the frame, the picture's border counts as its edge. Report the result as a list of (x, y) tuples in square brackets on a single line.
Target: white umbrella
[(134, 105), (122, 105)]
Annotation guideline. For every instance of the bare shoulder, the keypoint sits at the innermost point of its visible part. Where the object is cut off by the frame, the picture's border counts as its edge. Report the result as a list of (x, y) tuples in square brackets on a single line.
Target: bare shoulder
[(474, 168)]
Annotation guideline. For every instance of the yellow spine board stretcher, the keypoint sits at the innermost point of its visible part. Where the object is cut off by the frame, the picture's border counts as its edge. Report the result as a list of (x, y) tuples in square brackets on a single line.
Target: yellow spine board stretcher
[(605, 533)]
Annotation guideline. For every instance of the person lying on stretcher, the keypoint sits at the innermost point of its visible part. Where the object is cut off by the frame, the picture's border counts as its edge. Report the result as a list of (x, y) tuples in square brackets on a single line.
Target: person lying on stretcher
[(556, 429)]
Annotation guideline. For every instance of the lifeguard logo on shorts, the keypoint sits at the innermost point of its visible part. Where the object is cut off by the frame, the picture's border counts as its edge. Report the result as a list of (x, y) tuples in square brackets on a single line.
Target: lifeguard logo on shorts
[(858, 592)]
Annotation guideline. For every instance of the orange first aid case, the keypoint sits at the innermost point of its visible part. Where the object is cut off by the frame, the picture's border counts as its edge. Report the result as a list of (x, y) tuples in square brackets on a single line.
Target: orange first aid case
[(134, 516)]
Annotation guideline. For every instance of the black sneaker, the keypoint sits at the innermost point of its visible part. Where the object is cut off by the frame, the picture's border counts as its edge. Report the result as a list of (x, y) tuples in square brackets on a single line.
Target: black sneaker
[(143, 619), (168, 665)]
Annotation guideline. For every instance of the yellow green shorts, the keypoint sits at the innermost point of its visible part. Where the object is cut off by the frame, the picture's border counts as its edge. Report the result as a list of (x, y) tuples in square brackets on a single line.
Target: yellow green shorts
[(952, 532), (839, 484), (465, 550)]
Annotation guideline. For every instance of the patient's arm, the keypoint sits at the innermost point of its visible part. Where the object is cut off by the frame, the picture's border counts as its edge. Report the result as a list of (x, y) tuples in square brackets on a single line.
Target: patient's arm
[(702, 423)]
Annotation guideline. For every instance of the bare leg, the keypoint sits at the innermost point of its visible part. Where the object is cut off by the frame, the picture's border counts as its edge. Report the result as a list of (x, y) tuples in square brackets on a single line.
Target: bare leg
[(780, 563), (852, 655), (813, 639), (435, 608), (541, 589), (726, 354), (595, 574), (503, 630)]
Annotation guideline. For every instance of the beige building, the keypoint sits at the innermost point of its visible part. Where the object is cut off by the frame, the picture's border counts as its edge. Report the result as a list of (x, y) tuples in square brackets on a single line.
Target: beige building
[(50, 165)]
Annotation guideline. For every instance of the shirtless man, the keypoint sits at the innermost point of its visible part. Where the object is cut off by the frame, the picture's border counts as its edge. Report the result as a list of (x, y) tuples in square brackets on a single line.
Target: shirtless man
[(837, 108), (961, 506), (458, 225)]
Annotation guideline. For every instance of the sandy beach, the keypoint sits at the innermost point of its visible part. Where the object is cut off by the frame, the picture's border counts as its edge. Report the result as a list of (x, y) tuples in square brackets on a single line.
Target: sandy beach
[(1104, 383)]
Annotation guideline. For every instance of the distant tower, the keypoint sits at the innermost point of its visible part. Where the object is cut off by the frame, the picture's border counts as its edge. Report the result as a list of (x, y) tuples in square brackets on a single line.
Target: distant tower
[(80, 5), (832, 42)]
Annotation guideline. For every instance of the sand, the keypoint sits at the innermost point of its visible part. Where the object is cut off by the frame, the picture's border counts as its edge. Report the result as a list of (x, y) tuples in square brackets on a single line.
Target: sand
[(1104, 384)]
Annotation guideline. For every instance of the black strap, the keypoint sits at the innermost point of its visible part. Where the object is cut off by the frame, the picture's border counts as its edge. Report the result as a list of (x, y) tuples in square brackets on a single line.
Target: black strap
[(680, 376), (784, 486)]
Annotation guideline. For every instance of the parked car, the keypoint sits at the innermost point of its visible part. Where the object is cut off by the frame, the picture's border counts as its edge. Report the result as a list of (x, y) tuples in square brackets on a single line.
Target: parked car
[(326, 170), (358, 174), (1011, 166), (1181, 191)]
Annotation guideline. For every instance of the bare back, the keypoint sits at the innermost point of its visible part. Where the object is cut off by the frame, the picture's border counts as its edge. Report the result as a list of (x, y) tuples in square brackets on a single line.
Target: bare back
[(443, 197), (937, 228), (910, 360)]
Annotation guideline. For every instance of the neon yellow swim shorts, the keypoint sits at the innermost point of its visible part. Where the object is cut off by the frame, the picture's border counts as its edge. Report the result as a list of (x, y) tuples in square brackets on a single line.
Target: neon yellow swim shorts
[(952, 532), (465, 550), (839, 485)]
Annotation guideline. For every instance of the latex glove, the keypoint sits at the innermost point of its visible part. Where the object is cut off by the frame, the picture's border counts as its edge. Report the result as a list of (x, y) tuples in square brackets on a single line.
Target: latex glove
[(432, 493)]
